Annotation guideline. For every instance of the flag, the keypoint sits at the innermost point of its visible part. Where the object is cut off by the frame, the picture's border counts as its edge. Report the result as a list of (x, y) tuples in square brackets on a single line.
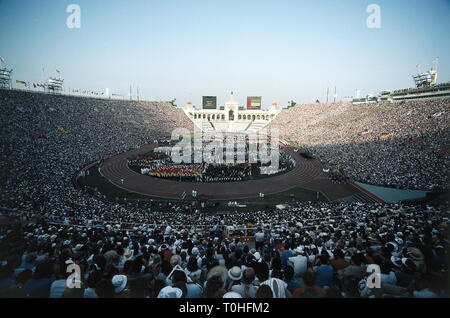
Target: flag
[(2, 59), (21, 82), (57, 71)]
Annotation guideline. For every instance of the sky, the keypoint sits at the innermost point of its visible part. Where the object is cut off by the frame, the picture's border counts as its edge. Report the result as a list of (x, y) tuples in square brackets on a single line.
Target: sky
[(281, 50)]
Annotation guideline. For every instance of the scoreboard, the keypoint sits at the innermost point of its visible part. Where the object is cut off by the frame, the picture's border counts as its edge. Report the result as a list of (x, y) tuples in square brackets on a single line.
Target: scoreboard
[(254, 102), (209, 102)]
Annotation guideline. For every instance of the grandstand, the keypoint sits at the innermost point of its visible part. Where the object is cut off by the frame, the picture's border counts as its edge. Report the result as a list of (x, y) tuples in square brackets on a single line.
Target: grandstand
[(5, 78), (49, 219)]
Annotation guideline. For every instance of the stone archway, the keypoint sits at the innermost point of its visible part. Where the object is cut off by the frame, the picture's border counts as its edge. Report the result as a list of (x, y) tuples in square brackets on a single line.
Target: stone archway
[(231, 115)]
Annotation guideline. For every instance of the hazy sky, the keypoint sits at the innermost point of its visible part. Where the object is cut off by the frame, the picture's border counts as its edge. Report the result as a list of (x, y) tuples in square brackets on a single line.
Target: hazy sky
[(280, 50)]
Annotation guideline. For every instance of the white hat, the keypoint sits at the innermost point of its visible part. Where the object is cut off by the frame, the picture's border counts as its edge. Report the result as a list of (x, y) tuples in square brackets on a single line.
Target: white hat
[(195, 251), (119, 282), (257, 256), (78, 247), (235, 273), (232, 295), (170, 292), (299, 250)]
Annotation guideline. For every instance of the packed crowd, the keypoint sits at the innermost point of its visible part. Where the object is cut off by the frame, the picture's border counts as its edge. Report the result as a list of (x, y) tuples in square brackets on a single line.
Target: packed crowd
[(135, 250), (403, 145), (312, 250), (224, 172), (161, 165)]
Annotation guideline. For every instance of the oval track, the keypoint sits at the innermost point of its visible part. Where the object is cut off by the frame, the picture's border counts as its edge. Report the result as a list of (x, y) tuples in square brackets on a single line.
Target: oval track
[(307, 174)]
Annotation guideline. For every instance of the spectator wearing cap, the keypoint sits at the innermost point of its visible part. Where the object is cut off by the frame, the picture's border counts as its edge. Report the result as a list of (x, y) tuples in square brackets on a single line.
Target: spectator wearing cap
[(170, 292), (246, 288), (234, 277), (120, 286), (195, 252)]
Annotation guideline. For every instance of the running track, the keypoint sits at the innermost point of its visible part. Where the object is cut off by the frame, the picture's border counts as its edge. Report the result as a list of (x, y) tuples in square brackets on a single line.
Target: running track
[(307, 174)]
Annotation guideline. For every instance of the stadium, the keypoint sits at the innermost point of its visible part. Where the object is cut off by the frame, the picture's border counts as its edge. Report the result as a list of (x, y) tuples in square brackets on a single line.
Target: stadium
[(136, 198)]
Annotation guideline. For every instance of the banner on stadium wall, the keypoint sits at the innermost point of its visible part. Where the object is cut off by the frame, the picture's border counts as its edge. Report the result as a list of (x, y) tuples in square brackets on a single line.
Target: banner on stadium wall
[(254, 102), (209, 102), (386, 136)]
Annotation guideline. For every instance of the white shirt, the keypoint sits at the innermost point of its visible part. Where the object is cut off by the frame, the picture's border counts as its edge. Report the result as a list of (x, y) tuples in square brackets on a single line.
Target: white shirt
[(279, 292), (259, 236), (299, 263)]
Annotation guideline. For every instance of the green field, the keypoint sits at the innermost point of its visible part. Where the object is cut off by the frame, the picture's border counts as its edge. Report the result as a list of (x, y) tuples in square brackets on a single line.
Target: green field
[(112, 192)]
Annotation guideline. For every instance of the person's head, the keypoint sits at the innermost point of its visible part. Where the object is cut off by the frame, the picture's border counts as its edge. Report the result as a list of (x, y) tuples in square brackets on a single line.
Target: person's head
[(277, 273), (104, 288), (358, 259), (100, 260), (264, 291), (136, 266), (338, 253), (288, 273), (213, 287), (192, 265), (385, 267), (248, 276), (158, 285), (179, 276), (166, 268), (308, 278), (93, 279), (111, 270), (262, 271), (276, 263), (324, 259)]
